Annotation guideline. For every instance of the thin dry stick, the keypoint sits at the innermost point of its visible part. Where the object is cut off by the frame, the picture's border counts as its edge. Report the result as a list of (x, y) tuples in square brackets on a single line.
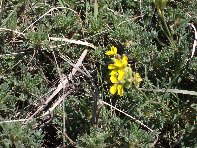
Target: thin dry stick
[(56, 8), (57, 103), (141, 7), (46, 113), (58, 70), (95, 105), (108, 29), (115, 12), (78, 69), (11, 121), (61, 99), (178, 91), (195, 39), (65, 134), (39, 18), (12, 54), (60, 86), (137, 121), (72, 41), (78, 64), (15, 31)]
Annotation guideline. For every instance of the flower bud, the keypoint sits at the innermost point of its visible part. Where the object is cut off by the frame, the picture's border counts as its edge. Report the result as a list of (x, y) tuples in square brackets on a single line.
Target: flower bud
[(160, 4)]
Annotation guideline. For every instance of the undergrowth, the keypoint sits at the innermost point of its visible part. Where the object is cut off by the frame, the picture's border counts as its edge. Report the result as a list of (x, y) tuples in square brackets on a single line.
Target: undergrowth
[(157, 37)]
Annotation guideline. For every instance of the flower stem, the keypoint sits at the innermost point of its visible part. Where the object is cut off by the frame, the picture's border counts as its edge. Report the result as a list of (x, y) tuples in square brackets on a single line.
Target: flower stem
[(167, 29)]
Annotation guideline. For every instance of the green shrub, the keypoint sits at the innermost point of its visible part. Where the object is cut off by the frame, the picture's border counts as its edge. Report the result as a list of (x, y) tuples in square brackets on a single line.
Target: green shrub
[(157, 38)]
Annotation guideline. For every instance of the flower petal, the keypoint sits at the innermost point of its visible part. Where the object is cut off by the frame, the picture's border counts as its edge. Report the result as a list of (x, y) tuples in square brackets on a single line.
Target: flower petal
[(113, 89), (120, 89), (124, 60), (117, 63), (121, 74), (109, 53), (114, 50), (111, 66), (113, 79), (113, 72)]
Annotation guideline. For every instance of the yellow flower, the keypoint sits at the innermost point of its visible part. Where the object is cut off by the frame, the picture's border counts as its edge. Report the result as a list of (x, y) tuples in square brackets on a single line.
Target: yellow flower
[(112, 52), (111, 66), (120, 89), (121, 63), (113, 72), (113, 79), (118, 72), (121, 74), (117, 87), (119, 67), (137, 79)]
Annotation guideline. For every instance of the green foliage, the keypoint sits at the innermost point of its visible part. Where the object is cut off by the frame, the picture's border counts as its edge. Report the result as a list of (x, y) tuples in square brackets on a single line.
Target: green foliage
[(12, 135), (156, 37), (95, 139)]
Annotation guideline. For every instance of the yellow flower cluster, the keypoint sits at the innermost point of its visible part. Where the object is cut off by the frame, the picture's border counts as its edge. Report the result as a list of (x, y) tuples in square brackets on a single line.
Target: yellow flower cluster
[(121, 74)]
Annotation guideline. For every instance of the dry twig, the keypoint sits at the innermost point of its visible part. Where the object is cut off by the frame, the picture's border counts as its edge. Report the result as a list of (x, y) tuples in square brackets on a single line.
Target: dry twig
[(15, 31), (71, 41), (11, 121), (60, 86), (137, 121), (49, 11), (195, 39)]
